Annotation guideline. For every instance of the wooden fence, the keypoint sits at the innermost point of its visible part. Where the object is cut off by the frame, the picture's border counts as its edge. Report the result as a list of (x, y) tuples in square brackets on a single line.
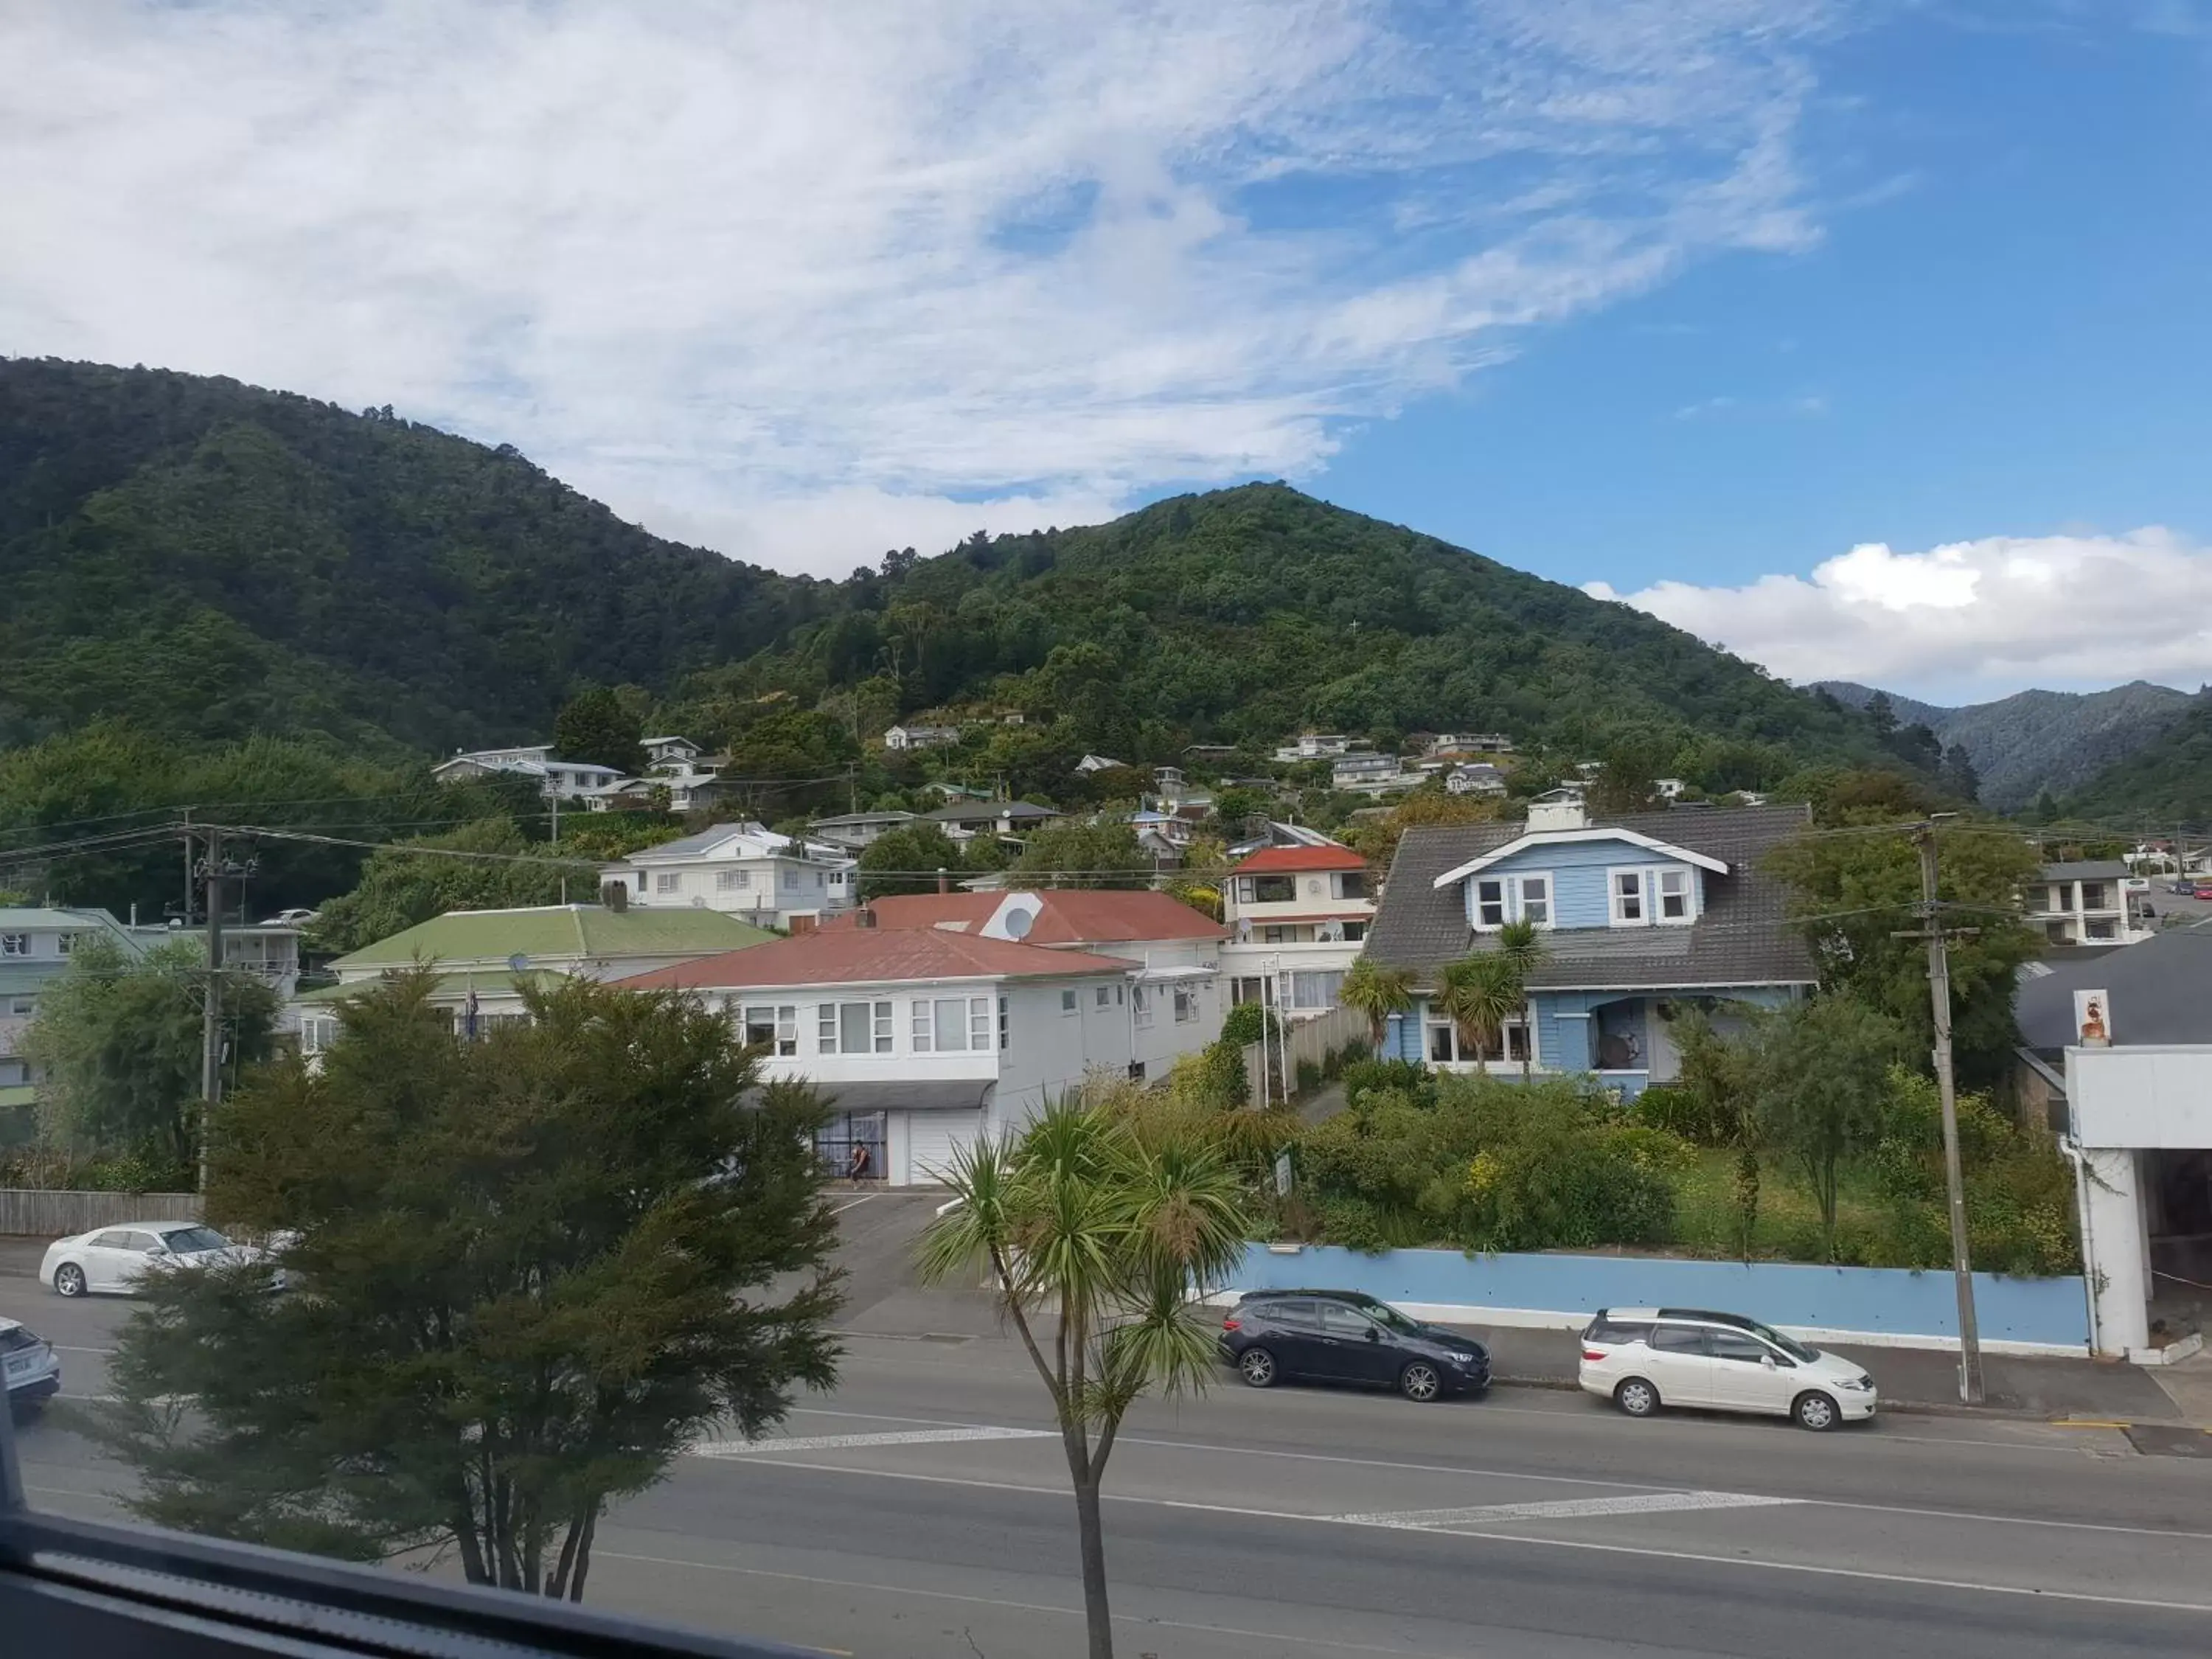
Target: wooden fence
[(1309, 1040), (29, 1212)]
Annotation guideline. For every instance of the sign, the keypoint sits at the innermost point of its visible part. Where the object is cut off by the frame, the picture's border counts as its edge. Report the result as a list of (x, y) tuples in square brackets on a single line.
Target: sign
[(2092, 1019), (1282, 1175)]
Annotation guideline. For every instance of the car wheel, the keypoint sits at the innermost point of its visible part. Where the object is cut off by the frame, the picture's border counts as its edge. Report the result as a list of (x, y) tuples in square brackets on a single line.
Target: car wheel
[(69, 1279), (1419, 1381), (1637, 1397), (1257, 1367), (1815, 1410)]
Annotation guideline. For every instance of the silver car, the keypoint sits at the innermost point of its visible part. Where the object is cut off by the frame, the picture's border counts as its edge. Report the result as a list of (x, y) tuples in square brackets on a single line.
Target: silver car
[(114, 1259), (31, 1368)]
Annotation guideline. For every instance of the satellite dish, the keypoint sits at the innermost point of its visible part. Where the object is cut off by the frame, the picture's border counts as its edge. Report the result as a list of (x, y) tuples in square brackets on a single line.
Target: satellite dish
[(517, 963), (1018, 923)]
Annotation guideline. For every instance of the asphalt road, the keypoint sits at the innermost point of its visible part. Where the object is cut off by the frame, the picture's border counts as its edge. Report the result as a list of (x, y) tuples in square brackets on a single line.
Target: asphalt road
[(921, 1510)]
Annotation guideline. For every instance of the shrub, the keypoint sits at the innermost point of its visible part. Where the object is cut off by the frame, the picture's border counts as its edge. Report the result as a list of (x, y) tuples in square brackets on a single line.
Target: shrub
[(1683, 1112), (1362, 1076), (1309, 1077)]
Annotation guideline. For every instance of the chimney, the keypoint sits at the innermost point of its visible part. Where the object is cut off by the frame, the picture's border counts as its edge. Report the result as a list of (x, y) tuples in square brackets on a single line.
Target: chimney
[(1568, 813), (865, 916), (944, 880)]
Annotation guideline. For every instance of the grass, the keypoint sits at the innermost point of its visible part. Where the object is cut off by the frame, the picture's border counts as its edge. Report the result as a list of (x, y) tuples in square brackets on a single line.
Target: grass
[(1788, 1224)]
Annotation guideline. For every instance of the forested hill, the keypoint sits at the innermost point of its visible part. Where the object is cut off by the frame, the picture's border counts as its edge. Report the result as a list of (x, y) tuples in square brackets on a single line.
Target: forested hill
[(202, 559), (2167, 782), (205, 559)]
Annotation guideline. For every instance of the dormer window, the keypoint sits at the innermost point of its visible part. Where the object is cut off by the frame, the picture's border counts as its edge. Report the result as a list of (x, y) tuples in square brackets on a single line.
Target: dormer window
[(1673, 895), (1501, 899), (1628, 898), (1536, 900), (1490, 904)]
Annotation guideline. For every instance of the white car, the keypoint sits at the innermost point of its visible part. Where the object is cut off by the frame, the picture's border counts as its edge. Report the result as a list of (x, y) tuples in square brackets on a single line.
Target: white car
[(1642, 1359), (31, 1368), (115, 1259)]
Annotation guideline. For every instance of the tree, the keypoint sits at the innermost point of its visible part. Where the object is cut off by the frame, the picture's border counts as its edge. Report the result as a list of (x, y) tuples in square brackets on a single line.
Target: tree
[(120, 1043), (1237, 805), (1821, 1082), (2046, 805), (1069, 853), (1094, 1239), (906, 861), (1720, 1073), (540, 1266), (399, 888), (1521, 946), (1881, 713), (1478, 994), (1854, 893), (1958, 776), (595, 726), (1627, 780), (1378, 991)]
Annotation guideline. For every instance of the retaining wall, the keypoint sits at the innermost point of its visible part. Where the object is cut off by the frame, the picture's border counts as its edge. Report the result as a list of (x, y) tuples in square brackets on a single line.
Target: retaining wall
[(41, 1214)]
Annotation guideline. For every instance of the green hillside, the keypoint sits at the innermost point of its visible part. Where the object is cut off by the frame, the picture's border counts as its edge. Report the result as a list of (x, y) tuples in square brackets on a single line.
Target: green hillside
[(204, 559), (198, 559), (2167, 782)]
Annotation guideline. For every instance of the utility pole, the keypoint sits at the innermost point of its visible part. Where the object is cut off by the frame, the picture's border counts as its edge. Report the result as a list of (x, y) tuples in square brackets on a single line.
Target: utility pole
[(1939, 991), (211, 1007)]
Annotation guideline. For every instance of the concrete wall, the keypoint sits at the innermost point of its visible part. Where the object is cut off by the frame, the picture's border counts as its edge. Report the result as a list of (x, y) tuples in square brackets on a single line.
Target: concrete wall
[(1880, 1305), (2151, 1095)]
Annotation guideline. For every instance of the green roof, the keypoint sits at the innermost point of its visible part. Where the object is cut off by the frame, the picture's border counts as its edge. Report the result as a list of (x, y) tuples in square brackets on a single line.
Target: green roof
[(558, 932), (485, 982)]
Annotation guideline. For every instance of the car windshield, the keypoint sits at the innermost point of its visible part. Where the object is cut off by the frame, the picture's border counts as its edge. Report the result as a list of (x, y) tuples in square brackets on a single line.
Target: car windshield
[(15, 1338), (1790, 1346), (1389, 1318), (186, 1240)]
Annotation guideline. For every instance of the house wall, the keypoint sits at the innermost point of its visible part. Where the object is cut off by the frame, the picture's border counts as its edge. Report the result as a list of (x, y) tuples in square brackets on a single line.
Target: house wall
[(1578, 871), (1878, 1304), (1567, 1024)]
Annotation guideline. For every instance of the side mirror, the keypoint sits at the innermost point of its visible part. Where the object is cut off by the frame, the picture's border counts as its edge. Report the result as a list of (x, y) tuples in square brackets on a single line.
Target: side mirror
[(1374, 1335), (1768, 1362)]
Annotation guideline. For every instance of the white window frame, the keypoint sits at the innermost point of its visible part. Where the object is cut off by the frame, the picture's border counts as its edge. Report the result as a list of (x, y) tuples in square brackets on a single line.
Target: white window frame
[(1628, 896), (1105, 995), (1069, 1002), (318, 1032), (781, 1017), (1143, 1005), (1522, 899), (790, 881), (14, 944), (829, 1017), (1186, 1005), (733, 881), (1485, 905), (667, 881), (973, 1017), (1687, 892), (1005, 1025)]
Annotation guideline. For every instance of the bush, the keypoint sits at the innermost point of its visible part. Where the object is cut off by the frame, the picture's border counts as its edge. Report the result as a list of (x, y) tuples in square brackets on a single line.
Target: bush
[(1362, 1076), (1684, 1112), (2020, 1190), (1309, 1077)]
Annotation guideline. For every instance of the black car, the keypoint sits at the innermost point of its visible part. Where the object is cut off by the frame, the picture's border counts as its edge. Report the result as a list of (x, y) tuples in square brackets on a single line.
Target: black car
[(1347, 1336)]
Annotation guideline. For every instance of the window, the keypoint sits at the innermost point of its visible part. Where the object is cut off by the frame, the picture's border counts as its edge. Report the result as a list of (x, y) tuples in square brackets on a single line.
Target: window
[(1536, 900), (1316, 988), (1144, 1005), (1067, 1002), (1278, 935), (948, 1025), (114, 1241), (1270, 890), (1673, 895), (317, 1033), (774, 1028), (1516, 1043), (23, 1006), (14, 944), (1186, 1005), (853, 1027), (1105, 994), (1352, 884), (2102, 927), (1626, 887), (667, 881), (1245, 889), (1294, 1315), (2092, 895), (66, 943), (1443, 1049), (1249, 989), (1678, 1338), (1617, 1332), (790, 881), (1490, 904), (733, 881), (1337, 1320), (1005, 1030), (1354, 932), (1732, 1345)]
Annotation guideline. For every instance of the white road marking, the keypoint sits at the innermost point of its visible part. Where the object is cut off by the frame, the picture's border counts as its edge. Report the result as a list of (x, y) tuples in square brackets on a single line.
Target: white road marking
[(1565, 1509), (851, 1442), (1542, 1542), (852, 1204)]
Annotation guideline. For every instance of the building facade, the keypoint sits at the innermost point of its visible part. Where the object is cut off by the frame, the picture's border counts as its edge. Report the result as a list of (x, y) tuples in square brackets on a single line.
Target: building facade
[(2084, 902), (1297, 917), (741, 869)]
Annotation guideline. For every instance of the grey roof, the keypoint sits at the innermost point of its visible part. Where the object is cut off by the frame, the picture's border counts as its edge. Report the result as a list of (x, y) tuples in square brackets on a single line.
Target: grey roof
[(1742, 939), (976, 811), (691, 846), (2161, 991), (937, 1095), (842, 819), (2087, 870)]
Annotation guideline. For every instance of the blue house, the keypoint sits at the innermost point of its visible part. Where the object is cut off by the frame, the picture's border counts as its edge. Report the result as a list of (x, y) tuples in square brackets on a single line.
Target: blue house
[(1641, 917)]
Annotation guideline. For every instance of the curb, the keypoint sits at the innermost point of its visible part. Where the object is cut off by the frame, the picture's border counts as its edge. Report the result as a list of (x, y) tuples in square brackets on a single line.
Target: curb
[(1908, 1407)]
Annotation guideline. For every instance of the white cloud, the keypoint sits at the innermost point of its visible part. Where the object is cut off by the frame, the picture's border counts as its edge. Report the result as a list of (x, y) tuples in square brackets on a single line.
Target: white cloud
[(731, 265), (1969, 620)]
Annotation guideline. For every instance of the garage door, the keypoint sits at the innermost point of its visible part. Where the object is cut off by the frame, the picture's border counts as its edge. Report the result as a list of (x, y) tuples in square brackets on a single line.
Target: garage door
[(931, 1138)]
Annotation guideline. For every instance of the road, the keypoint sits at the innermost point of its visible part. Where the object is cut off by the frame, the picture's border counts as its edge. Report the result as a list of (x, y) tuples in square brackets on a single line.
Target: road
[(921, 1510)]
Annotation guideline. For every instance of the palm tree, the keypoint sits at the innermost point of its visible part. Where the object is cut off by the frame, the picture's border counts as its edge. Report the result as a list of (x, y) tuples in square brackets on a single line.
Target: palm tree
[(1523, 945), (1378, 991), (1479, 994), (1085, 1227)]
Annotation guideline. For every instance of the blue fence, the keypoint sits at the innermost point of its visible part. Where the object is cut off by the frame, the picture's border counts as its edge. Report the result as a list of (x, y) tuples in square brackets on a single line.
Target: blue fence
[(1889, 1302)]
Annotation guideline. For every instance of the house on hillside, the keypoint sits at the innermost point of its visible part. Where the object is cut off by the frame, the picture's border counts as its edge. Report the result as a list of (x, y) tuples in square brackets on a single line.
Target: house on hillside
[(1175, 999), (2116, 1048), (36, 944), (1444, 745), (1364, 768), (854, 830), (2084, 902), (1090, 763), (921, 736), (1313, 745), (924, 1038), (484, 959), (557, 779), (1639, 916), (1008, 820), (1297, 917), (741, 869), (1477, 778)]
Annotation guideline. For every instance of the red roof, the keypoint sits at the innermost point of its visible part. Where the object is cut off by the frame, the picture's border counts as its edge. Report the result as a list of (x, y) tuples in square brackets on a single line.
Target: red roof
[(1068, 915), (856, 956), (1269, 859)]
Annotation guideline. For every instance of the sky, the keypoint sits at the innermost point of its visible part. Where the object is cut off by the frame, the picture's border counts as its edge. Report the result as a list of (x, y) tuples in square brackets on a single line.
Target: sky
[(1872, 340)]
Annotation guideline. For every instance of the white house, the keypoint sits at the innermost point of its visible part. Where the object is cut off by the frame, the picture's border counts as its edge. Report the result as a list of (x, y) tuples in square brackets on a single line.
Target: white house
[(924, 1037), (2121, 1042), (1177, 1002), (558, 779), (36, 943), (1479, 779), (1297, 917), (1090, 763), (741, 869), (1313, 745), (1447, 743), (1369, 771), (2084, 902), (854, 830), (921, 736), (1007, 819)]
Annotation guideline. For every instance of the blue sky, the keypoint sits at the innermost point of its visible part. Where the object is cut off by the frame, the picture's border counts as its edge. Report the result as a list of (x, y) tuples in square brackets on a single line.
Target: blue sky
[(1866, 337)]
